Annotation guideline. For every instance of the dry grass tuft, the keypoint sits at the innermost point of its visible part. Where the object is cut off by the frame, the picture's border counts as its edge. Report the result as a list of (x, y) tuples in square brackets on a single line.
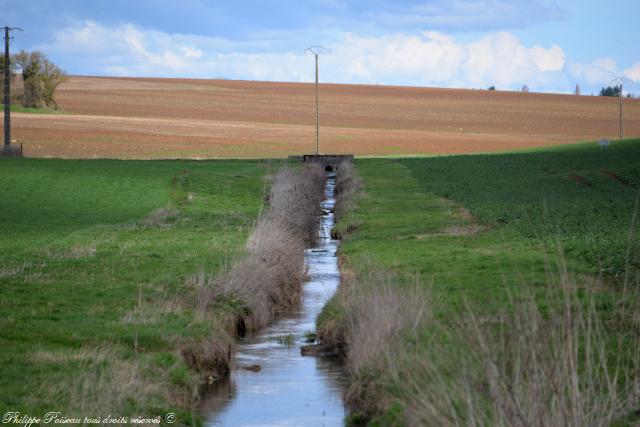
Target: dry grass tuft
[(40, 355), (209, 357), (269, 277), (151, 313), (455, 231), (76, 251), (160, 218), (378, 316), (552, 361), (105, 381), (10, 271), (295, 202), (347, 184), (532, 365)]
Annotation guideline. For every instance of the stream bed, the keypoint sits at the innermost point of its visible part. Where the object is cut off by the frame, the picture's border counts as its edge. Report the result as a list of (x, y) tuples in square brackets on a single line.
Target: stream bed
[(272, 384)]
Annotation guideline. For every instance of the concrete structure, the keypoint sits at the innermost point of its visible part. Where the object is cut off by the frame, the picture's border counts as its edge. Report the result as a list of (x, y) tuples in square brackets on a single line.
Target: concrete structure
[(329, 162)]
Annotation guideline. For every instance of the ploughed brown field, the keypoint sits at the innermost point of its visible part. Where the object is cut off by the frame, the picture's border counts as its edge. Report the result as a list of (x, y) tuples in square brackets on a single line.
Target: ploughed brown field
[(179, 118)]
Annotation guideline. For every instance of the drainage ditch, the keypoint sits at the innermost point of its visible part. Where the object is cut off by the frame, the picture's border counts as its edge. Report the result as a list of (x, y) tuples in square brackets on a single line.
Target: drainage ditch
[(272, 382)]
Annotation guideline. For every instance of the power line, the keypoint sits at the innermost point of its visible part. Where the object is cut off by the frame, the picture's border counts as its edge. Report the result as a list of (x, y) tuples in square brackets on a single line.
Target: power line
[(316, 51), (7, 90)]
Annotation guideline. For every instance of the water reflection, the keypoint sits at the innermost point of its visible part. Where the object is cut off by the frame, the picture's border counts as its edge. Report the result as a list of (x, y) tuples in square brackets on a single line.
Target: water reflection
[(289, 389)]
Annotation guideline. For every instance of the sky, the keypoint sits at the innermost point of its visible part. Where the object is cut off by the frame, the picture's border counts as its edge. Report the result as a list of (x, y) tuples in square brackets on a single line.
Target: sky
[(548, 45)]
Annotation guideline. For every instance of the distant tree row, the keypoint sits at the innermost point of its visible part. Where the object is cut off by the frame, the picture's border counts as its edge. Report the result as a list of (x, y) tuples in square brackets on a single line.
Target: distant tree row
[(605, 91), (611, 91), (40, 79)]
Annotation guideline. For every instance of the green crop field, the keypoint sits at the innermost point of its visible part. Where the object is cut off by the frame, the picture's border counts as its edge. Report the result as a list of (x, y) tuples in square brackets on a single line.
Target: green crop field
[(95, 268), (478, 231), (469, 221), (580, 196)]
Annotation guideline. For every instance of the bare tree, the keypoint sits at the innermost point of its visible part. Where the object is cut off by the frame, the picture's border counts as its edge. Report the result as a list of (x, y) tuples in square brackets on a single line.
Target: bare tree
[(40, 78)]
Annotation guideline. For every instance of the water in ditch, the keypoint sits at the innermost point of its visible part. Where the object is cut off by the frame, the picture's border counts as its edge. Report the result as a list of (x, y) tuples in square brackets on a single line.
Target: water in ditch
[(288, 389)]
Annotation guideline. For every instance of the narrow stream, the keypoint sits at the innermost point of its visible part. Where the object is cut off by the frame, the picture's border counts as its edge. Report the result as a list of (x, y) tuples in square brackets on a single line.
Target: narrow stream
[(288, 389)]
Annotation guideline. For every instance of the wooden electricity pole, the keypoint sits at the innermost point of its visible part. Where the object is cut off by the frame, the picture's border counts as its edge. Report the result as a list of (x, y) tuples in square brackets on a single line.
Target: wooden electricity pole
[(620, 109), (317, 110), (7, 91), (316, 51), (619, 81)]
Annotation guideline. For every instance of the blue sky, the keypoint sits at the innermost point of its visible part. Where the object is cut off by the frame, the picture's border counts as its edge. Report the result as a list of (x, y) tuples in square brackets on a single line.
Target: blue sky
[(548, 45)]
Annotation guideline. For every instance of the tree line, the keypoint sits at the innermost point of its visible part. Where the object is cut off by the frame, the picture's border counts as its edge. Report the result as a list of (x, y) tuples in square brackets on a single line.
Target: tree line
[(40, 78), (613, 91)]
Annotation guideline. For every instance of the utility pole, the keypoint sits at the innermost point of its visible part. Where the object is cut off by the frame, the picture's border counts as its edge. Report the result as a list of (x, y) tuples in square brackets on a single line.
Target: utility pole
[(7, 90), (619, 81), (316, 51)]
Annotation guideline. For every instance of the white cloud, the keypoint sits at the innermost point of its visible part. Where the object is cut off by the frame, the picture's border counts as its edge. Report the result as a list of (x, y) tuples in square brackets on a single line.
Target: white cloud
[(427, 58), (435, 58), (598, 72), (191, 52), (499, 59), (607, 64), (633, 72), (548, 59)]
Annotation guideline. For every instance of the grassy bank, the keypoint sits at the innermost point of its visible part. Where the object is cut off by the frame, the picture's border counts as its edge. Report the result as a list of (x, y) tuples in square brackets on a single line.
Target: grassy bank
[(99, 274), (500, 239)]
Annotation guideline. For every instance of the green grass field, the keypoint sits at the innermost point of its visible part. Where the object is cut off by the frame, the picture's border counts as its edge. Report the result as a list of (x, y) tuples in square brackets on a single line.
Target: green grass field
[(97, 288), (467, 222), (581, 196), (15, 108), (481, 230), (94, 278)]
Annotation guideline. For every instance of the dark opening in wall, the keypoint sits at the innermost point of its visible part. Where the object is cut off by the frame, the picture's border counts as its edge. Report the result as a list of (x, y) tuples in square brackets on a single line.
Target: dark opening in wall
[(328, 168)]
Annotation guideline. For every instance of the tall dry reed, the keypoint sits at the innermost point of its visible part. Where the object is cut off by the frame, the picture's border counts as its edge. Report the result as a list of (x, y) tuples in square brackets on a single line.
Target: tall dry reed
[(348, 183), (268, 278), (552, 361), (376, 315)]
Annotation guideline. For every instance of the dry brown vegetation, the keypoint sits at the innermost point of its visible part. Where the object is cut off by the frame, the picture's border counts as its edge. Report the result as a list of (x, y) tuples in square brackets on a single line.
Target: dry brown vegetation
[(268, 278), (105, 383), (557, 366), (347, 185), (531, 364), (176, 118)]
